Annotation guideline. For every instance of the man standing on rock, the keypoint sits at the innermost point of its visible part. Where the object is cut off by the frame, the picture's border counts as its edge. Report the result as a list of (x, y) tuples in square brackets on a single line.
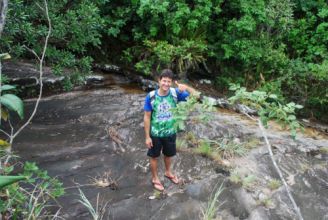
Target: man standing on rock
[(160, 132)]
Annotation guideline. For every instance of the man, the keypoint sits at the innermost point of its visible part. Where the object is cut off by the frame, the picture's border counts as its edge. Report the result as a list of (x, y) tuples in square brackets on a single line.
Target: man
[(160, 132)]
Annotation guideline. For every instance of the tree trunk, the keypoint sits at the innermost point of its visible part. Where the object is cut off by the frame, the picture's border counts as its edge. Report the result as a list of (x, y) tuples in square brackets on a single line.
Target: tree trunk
[(3, 11)]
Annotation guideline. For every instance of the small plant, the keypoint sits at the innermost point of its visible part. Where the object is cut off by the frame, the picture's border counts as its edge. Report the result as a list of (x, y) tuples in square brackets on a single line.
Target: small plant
[(249, 181), (274, 184), (204, 149), (191, 138), (98, 212), (209, 212), (183, 111), (228, 148), (235, 177), (181, 144), (29, 198), (267, 202), (252, 143)]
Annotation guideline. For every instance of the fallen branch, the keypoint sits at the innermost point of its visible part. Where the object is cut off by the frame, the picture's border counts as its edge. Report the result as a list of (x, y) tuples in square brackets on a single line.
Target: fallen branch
[(296, 208)]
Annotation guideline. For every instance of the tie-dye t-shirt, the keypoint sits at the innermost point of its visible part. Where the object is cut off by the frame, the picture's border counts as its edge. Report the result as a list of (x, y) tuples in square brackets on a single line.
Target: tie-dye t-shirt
[(162, 121)]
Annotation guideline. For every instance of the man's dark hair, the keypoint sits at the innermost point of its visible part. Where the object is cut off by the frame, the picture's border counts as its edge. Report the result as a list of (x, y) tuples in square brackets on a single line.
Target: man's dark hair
[(166, 73)]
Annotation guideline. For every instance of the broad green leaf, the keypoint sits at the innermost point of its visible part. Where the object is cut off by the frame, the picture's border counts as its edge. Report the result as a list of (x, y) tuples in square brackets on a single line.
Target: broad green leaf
[(291, 117), (13, 103), (7, 87), (7, 180)]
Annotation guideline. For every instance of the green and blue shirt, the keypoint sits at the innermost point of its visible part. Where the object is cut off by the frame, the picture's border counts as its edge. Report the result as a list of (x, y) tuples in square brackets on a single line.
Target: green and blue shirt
[(162, 121)]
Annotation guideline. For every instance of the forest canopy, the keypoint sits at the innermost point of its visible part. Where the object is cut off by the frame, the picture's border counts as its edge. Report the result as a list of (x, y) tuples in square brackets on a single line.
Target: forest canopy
[(277, 46)]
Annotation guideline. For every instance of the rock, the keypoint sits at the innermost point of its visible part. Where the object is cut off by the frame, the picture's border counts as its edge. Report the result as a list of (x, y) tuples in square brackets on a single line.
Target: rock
[(245, 199), (148, 85), (110, 68), (210, 100), (205, 81), (222, 103), (94, 79), (244, 109), (258, 214)]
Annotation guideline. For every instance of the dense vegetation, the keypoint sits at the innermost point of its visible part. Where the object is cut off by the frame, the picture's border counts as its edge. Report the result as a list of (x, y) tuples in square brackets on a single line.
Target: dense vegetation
[(277, 46)]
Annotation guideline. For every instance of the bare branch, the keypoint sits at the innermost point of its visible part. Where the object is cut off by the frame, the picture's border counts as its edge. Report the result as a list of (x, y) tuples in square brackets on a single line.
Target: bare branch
[(296, 208), (4, 131), (40, 76), (32, 51)]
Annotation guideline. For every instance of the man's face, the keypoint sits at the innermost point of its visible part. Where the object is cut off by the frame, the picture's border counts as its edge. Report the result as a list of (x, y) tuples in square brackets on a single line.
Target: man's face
[(165, 83)]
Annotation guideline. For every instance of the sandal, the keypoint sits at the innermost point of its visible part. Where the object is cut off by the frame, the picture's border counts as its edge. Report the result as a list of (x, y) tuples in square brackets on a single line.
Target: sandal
[(174, 179), (157, 185)]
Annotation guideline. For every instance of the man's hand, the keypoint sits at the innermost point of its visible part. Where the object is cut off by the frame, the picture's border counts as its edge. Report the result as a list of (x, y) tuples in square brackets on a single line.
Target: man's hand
[(149, 143), (181, 87)]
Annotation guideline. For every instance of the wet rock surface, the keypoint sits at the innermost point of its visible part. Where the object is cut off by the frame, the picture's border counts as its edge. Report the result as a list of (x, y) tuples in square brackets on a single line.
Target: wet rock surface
[(81, 136)]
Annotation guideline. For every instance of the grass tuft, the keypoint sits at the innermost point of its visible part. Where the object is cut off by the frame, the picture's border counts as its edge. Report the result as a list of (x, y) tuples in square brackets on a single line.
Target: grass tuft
[(274, 184), (209, 212), (98, 212)]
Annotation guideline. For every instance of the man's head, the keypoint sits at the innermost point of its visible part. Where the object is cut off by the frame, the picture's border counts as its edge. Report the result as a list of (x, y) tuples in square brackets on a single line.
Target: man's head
[(165, 80), (166, 73)]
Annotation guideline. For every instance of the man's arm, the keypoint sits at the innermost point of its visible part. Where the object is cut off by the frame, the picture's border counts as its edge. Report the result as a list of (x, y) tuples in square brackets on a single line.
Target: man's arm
[(147, 116), (189, 89)]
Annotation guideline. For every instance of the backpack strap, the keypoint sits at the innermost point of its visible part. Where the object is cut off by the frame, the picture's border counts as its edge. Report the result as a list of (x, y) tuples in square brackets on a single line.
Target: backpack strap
[(174, 95), (152, 97)]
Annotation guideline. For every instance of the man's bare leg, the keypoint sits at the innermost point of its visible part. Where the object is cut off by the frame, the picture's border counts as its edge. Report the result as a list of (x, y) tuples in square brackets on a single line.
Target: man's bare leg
[(168, 173), (153, 168), (167, 162), (155, 180)]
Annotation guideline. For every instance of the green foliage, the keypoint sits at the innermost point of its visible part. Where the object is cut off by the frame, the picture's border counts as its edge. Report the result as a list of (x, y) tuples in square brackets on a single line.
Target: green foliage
[(307, 85), (268, 107), (225, 148), (184, 109), (28, 199), (229, 148), (7, 180), (96, 212), (274, 184), (251, 37), (76, 25), (13, 103), (172, 34), (235, 177), (210, 211), (181, 56), (268, 45), (205, 149), (249, 181)]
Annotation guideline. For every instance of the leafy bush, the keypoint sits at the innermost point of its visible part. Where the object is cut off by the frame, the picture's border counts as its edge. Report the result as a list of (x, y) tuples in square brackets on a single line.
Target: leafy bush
[(29, 198), (268, 106), (76, 25), (306, 84)]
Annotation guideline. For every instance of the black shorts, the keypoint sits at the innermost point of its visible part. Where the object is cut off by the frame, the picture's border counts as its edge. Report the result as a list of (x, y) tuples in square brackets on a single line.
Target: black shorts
[(165, 144)]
